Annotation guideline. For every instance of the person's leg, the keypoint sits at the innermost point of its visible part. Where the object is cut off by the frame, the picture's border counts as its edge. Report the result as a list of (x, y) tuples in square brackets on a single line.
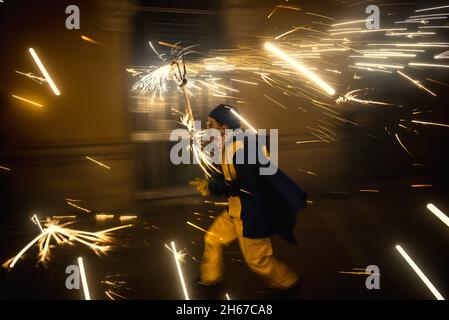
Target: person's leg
[(258, 254), (221, 233)]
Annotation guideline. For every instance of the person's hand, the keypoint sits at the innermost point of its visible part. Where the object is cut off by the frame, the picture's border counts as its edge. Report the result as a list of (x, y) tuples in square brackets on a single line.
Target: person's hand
[(202, 186)]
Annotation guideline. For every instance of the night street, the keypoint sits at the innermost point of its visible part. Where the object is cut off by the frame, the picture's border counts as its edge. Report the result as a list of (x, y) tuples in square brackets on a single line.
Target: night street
[(86, 169)]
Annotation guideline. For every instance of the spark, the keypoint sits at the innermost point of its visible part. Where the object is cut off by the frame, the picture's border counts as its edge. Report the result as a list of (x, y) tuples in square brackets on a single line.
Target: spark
[(412, 45), (63, 217), (44, 72), (419, 272), (302, 69), (443, 55), (433, 27), (224, 204), (97, 241), (98, 162), (431, 123), (83, 279), (430, 15), (39, 80), (319, 15), (379, 65), (429, 9), (370, 190), (409, 34), (155, 80), (421, 185), (247, 82), (307, 172), (162, 43), (352, 96), (341, 119), (103, 217), (5, 168), (78, 207), (358, 272), (278, 103), (127, 218), (416, 83), (205, 231), (36, 221), (178, 265), (439, 82), (227, 296), (28, 101), (368, 31), (85, 38), (159, 55), (243, 120), (308, 141), (181, 254), (418, 64), (109, 293), (288, 32), (350, 22), (437, 212), (402, 145)]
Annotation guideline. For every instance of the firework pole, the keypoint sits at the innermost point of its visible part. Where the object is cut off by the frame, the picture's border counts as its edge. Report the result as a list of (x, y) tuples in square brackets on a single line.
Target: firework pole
[(180, 76)]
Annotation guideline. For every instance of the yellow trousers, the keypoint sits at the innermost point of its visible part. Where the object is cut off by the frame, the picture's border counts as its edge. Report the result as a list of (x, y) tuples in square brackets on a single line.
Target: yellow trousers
[(258, 254)]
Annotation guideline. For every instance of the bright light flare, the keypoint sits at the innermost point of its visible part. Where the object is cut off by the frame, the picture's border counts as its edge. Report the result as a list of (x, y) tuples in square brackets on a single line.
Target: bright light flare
[(440, 215), (98, 162), (431, 123), (85, 38), (84, 279), (419, 273), (416, 83), (302, 69), (178, 266), (28, 101), (44, 72), (235, 113)]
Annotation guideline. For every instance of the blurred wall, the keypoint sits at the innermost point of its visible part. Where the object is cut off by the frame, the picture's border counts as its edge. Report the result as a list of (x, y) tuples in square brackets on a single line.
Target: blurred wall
[(45, 148)]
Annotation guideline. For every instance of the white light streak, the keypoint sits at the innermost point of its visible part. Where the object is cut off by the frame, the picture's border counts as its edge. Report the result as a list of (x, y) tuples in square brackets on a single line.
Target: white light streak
[(84, 279), (419, 64), (28, 101), (438, 213), (178, 265), (416, 83), (243, 120), (306, 72), (429, 9), (44, 72), (419, 273)]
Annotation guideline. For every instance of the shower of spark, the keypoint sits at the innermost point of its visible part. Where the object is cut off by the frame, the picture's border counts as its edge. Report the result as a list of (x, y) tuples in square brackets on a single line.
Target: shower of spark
[(155, 81), (98, 241)]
